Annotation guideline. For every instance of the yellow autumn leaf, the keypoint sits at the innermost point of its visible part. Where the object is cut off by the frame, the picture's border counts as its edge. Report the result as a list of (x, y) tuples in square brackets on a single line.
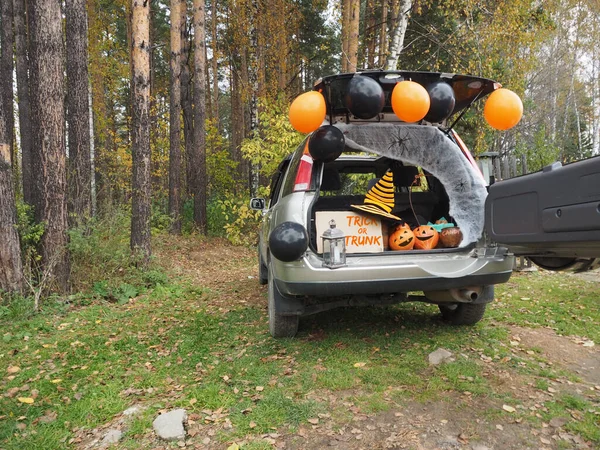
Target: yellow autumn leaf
[(56, 380), (233, 446), (27, 400), (360, 364)]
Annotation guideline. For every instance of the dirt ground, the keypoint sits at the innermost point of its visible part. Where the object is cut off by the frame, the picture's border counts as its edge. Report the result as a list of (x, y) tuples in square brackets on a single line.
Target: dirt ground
[(458, 421)]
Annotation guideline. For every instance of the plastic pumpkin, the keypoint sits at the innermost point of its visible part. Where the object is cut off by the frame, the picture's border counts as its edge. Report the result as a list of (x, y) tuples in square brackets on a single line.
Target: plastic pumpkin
[(307, 111), (410, 101), (402, 239), (451, 237), (426, 237), (503, 109)]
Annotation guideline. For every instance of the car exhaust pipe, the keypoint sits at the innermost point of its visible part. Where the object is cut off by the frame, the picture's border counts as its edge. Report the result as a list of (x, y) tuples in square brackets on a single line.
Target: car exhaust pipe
[(466, 295)]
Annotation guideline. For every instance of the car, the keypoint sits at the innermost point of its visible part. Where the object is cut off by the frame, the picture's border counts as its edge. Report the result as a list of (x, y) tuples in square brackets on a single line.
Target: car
[(391, 176)]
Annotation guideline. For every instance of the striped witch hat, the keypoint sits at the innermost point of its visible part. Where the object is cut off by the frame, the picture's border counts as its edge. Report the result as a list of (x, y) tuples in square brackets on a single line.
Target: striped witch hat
[(380, 198)]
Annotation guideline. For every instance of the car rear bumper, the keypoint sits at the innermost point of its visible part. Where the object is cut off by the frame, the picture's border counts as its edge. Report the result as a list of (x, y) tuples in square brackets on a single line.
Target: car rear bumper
[(394, 274)]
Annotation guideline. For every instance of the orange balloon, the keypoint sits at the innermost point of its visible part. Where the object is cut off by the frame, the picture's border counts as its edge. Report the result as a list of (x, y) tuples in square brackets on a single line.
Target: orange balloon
[(503, 109), (410, 101), (307, 111)]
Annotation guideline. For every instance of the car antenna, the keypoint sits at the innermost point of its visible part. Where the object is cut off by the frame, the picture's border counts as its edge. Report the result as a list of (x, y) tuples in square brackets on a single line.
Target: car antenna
[(462, 113)]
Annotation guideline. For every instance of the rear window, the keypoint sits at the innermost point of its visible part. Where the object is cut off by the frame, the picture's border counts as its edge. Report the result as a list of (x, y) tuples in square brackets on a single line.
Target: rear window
[(342, 181)]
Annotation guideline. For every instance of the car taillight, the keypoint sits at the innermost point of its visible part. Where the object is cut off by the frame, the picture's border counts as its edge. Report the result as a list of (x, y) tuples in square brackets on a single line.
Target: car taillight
[(304, 173)]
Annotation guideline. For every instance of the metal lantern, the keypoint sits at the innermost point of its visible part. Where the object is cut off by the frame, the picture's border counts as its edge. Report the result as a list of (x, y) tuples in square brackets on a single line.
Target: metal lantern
[(334, 247)]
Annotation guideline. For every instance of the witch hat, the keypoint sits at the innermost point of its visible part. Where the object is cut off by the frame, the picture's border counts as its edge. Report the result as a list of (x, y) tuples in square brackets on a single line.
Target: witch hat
[(380, 198)]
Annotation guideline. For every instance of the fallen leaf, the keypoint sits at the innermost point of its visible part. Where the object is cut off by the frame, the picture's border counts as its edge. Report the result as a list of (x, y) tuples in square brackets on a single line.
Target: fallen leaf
[(50, 416), (508, 408), (360, 364), (193, 401), (233, 446), (11, 392), (252, 424), (588, 344), (27, 400), (13, 369), (56, 380), (313, 421), (260, 388)]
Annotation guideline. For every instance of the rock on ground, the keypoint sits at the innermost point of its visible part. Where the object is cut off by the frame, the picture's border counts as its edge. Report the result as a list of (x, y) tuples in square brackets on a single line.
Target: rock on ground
[(111, 437), (169, 426), (440, 356)]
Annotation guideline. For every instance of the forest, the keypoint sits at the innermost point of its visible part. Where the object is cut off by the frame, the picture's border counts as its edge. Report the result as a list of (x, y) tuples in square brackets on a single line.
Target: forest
[(169, 116)]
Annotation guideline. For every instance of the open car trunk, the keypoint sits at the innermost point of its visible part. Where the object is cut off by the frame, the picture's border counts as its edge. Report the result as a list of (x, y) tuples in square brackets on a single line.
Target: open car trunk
[(432, 180)]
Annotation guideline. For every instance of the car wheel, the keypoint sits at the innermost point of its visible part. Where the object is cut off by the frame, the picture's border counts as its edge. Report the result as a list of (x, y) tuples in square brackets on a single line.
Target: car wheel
[(279, 326), (263, 274), (463, 313)]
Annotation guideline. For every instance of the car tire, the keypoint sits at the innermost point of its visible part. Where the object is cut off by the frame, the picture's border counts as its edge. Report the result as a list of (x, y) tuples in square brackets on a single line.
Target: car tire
[(463, 313), (279, 326), (263, 273), (467, 313)]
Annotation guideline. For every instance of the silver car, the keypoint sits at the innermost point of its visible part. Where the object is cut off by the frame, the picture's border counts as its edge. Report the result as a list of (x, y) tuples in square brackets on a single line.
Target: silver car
[(431, 178)]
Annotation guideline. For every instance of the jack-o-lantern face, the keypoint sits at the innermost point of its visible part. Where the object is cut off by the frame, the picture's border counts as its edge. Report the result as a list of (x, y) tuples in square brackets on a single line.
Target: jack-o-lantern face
[(426, 237), (402, 238)]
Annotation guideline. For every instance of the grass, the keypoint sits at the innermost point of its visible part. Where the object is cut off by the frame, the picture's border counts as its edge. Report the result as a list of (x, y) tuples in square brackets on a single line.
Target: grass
[(84, 362)]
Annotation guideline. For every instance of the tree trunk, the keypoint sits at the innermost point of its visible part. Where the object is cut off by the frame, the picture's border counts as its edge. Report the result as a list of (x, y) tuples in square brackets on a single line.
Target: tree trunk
[(140, 205), (11, 270), (237, 120), (246, 105), (6, 73), (24, 99), (199, 159), (354, 21), (346, 7), (175, 122), (47, 64), (370, 35), (78, 118), (215, 61), (383, 34), (397, 38), (187, 93)]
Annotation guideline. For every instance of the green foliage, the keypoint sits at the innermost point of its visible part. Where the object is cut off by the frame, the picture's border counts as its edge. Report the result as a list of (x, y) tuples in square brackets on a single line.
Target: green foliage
[(274, 139), (221, 169), (30, 233), (541, 153), (159, 220), (241, 222), (120, 294), (101, 258)]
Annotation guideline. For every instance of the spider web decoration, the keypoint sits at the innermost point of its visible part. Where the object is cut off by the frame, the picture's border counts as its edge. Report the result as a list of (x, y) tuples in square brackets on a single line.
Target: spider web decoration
[(431, 149)]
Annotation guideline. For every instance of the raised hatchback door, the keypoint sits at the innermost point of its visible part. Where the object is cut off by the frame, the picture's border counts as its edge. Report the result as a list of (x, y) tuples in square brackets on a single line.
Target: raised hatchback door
[(552, 215)]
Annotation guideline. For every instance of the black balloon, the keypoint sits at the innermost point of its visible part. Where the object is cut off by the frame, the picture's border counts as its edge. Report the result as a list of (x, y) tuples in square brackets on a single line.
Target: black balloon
[(442, 101), (288, 241), (364, 97), (326, 144)]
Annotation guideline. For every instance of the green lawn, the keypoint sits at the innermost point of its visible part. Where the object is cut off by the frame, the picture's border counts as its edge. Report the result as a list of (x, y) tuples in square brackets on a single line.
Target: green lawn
[(79, 366)]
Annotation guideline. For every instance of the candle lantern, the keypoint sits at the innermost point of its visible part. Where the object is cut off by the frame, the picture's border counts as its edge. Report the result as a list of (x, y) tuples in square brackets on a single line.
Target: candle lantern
[(334, 247)]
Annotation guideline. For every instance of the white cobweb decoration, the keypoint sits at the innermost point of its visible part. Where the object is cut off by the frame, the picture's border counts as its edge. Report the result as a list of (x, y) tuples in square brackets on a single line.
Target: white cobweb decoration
[(429, 148)]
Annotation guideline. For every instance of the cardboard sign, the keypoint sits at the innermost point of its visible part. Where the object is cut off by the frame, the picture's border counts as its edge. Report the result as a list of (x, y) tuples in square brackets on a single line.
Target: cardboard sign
[(362, 231)]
